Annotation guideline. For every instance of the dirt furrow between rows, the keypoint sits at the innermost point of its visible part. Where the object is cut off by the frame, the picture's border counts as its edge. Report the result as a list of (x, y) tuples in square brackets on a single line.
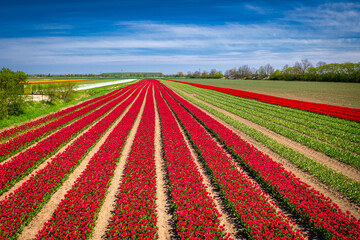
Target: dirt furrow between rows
[(279, 206), (53, 133), (334, 164), (106, 211), (344, 203), (164, 220), (226, 218), (37, 118), (46, 162), (47, 211)]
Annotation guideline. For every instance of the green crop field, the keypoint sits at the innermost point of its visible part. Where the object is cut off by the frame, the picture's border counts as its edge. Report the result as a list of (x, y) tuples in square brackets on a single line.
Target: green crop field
[(334, 93)]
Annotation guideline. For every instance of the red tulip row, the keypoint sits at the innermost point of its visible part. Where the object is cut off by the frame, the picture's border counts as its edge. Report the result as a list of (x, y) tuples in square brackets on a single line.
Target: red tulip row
[(337, 111), (196, 216), (325, 217), (20, 142), (252, 208), (135, 212), (75, 216), (26, 201), (15, 130), (22, 164)]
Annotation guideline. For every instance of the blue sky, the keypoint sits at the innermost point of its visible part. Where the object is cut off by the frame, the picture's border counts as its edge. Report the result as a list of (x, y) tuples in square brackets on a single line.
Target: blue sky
[(90, 36)]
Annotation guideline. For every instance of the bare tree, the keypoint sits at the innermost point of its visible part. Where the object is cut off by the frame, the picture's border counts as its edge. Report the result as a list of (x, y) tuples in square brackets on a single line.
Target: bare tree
[(197, 74), (213, 72), (261, 71), (244, 71), (320, 63), (305, 64), (269, 69)]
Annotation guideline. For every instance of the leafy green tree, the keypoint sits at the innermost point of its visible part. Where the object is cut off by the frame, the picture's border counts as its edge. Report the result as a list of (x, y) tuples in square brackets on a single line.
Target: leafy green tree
[(11, 92)]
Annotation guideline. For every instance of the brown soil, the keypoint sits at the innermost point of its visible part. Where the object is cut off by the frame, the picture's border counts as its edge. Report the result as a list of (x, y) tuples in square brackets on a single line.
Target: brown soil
[(164, 219), (46, 212), (338, 198), (42, 139), (109, 204), (279, 206), (320, 157), (42, 165), (226, 219)]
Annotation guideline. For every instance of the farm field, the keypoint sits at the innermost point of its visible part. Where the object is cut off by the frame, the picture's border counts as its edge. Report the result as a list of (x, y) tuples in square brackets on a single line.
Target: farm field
[(166, 160), (334, 93)]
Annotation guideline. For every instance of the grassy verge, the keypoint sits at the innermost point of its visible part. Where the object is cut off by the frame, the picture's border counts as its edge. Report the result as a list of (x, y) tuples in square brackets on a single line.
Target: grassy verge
[(37, 109), (338, 181), (334, 93), (284, 129)]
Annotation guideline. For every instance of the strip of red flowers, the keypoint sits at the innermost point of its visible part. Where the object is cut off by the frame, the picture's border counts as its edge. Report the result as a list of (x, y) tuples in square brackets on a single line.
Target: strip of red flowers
[(24, 163), (252, 208), (75, 216), (324, 217), (331, 110), (135, 212), (196, 216), (15, 145), (11, 132), (17, 210)]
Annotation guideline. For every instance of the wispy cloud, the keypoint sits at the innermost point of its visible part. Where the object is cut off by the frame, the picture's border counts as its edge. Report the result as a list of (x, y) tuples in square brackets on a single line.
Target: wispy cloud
[(227, 44), (336, 18)]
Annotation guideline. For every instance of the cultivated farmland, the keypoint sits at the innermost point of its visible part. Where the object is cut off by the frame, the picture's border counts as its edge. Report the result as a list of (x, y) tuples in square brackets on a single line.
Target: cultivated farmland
[(166, 160)]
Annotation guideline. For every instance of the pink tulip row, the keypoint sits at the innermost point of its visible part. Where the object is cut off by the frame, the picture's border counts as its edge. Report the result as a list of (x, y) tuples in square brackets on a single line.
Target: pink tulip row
[(16, 130), (260, 218), (135, 213), (319, 211), (16, 144), (22, 164), (75, 216), (26, 201), (196, 213)]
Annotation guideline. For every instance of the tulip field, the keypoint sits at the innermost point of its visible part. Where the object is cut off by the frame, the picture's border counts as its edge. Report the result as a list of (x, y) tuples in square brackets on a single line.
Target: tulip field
[(58, 171)]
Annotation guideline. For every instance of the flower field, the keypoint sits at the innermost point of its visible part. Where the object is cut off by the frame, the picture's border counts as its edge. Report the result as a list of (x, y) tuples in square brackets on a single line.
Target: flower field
[(218, 185)]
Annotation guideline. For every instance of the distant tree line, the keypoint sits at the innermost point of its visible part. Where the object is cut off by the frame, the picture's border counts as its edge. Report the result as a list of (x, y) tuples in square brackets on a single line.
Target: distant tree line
[(65, 75), (132, 74), (301, 71), (115, 74), (333, 72), (243, 72)]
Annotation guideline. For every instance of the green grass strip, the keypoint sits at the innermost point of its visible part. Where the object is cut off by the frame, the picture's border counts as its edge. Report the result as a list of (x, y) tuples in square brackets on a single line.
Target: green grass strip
[(319, 119), (307, 124), (338, 181), (264, 117), (38, 109), (339, 154)]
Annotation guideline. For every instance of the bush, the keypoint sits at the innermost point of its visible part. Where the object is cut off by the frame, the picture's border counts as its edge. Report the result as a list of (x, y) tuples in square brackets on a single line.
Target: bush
[(60, 91), (11, 92)]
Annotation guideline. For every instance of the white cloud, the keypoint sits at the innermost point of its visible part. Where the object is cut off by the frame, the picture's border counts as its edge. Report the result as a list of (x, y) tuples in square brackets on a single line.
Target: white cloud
[(232, 44), (330, 17)]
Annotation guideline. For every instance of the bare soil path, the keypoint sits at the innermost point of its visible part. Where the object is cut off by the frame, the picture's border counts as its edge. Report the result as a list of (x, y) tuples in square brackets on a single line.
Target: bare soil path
[(164, 220), (47, 161), (344, 203), (45, 214), (226, 219), (332, 163), (56, 131), (105, 214)]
